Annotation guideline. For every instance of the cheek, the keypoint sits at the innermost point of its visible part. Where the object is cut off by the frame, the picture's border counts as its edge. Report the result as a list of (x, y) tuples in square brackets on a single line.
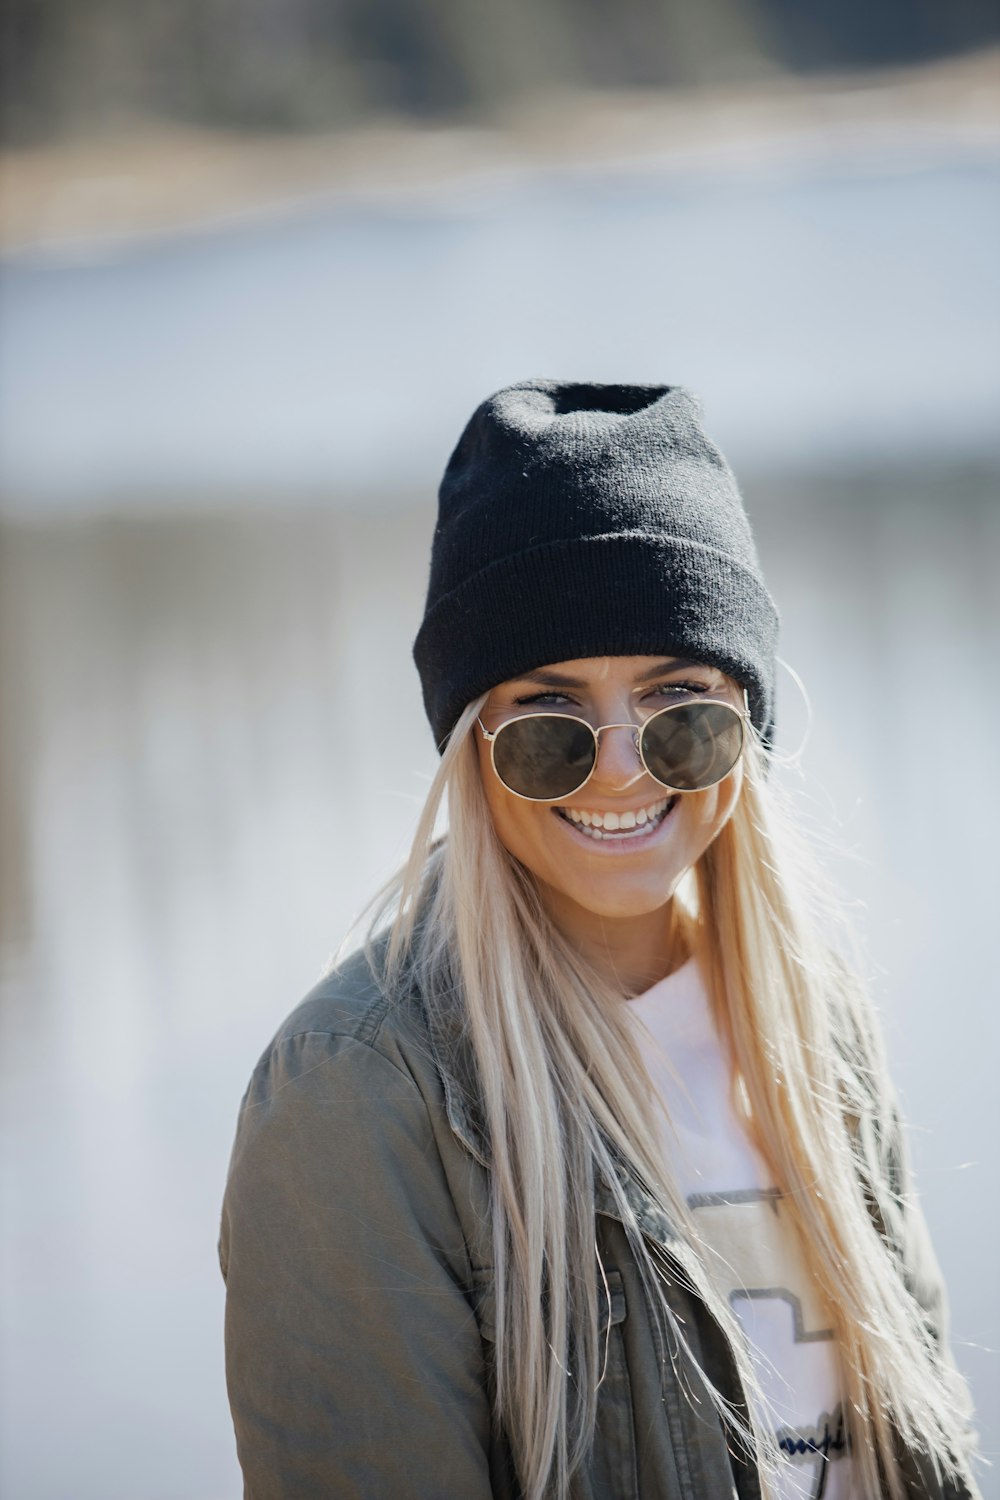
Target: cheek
[(520, 826), (710, 811), (483, 756), (491, 785)]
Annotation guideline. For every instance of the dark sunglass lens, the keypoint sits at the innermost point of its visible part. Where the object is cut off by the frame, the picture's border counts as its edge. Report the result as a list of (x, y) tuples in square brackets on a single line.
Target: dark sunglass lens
[(542, 756), (693, 745)]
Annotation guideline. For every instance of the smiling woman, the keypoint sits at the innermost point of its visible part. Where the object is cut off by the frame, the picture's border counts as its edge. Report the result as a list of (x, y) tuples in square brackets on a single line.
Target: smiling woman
[(582, 1178)]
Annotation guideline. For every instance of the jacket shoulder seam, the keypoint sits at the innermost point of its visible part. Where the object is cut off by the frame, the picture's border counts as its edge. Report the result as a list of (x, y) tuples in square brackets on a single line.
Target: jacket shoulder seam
[(346, 1036), (366, 1034)]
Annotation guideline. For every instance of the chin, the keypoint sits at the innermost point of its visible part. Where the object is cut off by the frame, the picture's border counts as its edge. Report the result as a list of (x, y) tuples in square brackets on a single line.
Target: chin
[(617, 900)]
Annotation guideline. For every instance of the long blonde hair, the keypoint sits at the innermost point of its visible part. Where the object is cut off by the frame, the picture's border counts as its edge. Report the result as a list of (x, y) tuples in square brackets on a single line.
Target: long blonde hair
[(564, 1091)]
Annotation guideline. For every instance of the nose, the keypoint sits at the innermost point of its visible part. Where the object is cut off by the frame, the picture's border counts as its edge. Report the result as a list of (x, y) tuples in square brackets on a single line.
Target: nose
[(618, 762)]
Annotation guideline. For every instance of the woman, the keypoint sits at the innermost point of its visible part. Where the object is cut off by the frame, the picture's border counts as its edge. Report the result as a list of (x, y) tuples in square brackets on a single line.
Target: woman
[(583, 1177)]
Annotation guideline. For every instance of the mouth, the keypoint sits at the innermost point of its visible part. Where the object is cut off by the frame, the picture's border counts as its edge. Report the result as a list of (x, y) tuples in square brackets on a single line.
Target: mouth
[(638, 833)]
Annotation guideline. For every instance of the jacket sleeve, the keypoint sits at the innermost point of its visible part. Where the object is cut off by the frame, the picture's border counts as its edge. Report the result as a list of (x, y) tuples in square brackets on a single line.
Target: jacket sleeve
[(353, 1357)]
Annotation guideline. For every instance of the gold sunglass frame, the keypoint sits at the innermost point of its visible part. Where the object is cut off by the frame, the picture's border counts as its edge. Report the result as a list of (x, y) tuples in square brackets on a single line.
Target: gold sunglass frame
[(638, 730)]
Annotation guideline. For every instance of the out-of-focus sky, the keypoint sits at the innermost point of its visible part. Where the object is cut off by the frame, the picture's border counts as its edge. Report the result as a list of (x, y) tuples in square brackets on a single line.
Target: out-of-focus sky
[(258, 262)]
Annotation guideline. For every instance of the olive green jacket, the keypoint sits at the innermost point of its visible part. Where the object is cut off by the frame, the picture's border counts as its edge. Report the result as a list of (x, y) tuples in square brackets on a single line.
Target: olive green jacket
[(355, 1245)]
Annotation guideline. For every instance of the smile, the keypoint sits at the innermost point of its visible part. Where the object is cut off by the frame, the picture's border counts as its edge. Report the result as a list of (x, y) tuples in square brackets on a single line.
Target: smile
[(613, 827)]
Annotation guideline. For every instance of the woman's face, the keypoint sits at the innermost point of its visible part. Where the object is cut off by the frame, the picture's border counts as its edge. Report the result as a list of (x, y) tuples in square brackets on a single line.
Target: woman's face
[(614, 876)]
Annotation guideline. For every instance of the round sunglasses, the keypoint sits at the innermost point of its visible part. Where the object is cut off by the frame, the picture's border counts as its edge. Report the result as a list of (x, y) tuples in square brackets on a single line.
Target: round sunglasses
[(686, 747)]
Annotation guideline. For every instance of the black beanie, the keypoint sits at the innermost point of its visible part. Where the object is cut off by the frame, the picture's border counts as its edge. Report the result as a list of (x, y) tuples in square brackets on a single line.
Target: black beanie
[(583, 520)]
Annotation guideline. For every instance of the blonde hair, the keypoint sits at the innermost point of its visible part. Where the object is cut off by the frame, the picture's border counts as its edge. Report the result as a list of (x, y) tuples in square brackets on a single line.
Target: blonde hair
[(564, 1090)]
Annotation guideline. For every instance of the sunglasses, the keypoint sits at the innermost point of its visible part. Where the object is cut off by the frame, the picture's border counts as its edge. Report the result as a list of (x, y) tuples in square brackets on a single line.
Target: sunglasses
[(686, 747)]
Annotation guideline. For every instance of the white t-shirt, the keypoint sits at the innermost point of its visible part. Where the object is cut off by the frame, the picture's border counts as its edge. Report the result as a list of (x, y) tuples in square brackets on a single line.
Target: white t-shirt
[(752, 1253)]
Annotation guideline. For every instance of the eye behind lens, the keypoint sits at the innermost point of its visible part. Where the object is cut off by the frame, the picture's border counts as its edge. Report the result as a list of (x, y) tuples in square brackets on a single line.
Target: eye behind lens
[(544, 756), (692, 746)]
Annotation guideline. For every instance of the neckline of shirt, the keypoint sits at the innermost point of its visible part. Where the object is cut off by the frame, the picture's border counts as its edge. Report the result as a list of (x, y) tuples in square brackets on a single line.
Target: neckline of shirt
[(676, 1008)]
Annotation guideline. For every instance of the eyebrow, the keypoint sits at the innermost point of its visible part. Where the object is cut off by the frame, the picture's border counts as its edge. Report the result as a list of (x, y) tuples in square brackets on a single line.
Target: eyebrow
[(559, 679)]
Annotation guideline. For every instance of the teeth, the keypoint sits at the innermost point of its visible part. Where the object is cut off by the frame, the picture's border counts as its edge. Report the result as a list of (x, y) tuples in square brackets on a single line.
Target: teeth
[(612, 825), (612, 820)]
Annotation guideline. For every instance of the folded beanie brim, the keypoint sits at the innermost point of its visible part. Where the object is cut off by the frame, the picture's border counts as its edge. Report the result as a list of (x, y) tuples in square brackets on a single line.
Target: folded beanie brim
[(625, 593)]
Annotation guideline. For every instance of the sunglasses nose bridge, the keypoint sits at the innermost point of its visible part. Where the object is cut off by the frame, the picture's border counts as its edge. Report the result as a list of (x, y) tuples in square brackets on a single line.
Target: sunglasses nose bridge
[(635, 730)]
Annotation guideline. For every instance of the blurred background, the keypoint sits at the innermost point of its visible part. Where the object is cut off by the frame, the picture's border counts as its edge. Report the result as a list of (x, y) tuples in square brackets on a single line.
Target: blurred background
[(258, 262)]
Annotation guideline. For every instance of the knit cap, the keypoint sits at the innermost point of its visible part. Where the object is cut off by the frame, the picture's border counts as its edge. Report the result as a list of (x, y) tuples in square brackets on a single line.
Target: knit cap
[(580, 520)]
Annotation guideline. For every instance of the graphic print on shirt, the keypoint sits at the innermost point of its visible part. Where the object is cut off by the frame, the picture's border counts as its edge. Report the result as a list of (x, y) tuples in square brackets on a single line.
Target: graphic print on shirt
[(757, 1266)]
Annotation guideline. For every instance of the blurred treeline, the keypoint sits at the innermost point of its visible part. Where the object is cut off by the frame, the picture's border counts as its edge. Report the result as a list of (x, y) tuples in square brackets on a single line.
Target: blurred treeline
[(90, 66)]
